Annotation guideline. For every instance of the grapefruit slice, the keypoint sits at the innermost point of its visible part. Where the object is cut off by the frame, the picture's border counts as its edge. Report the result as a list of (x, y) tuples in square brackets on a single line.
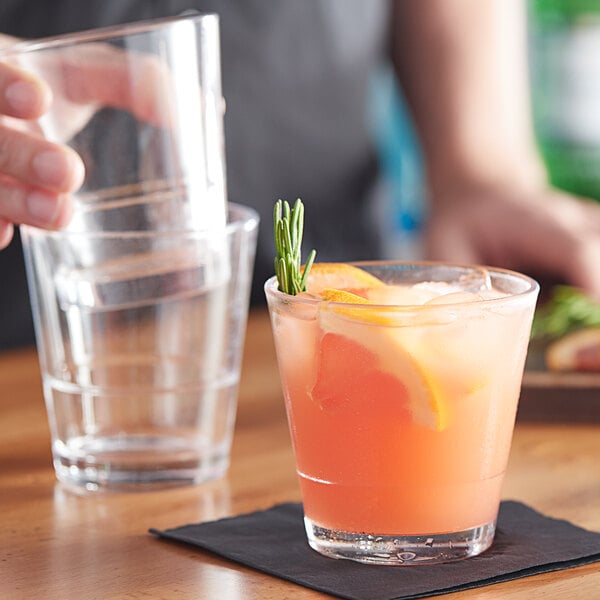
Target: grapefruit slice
[(576, 351), (367, 330)]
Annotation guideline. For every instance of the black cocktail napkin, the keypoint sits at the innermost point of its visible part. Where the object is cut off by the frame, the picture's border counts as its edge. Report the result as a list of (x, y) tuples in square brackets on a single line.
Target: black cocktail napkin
[(273, 541)]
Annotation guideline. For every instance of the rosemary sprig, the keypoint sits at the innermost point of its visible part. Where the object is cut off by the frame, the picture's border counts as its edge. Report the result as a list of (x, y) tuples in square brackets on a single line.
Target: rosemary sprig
[(288, 226)]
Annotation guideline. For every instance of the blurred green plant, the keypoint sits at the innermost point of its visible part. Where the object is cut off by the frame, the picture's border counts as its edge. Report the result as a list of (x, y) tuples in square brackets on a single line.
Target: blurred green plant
[(567, 309)]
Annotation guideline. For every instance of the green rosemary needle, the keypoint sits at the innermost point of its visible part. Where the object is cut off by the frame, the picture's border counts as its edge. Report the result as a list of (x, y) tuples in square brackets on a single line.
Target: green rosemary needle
[(288, 226)]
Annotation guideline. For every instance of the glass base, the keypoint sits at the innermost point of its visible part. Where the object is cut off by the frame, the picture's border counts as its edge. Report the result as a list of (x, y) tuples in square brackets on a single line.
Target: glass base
[(137, 463), (400, 550)]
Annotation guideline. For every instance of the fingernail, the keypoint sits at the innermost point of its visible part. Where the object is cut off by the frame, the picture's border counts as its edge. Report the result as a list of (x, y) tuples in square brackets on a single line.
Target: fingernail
[(22, 96), (51, 167), (42, 208)]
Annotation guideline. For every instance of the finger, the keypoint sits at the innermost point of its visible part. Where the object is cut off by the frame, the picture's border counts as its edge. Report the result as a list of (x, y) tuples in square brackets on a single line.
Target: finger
[(31, 206), (585, 214), (567, 241), (6, 232), (38, 162), (137, 82), (22, 95), (581, 266)]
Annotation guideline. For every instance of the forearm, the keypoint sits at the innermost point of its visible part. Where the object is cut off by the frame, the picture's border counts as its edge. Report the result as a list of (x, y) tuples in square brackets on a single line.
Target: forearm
[(462, 67)]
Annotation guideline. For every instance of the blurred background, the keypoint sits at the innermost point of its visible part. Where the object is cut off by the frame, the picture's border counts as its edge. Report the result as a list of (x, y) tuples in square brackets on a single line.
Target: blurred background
[(564, 72)]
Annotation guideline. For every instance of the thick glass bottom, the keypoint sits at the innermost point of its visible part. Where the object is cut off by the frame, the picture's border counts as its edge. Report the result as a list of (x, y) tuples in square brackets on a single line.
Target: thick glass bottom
[(136, 463), (400, 550)]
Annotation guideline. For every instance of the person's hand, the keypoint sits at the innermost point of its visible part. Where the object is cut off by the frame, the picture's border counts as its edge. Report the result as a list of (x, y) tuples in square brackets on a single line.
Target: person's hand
[(543, 233), (37, 176), (469, 92)]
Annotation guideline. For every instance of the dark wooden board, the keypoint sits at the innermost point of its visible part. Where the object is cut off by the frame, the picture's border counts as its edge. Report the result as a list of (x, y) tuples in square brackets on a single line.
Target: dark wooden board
[(554, 397)]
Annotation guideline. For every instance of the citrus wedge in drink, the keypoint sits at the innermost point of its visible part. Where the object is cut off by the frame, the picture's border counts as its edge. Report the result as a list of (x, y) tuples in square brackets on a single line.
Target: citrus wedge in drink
[(361, 354)]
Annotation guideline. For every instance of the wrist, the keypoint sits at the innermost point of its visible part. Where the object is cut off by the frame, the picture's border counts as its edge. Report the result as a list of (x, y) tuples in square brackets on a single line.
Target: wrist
[(484, 175)]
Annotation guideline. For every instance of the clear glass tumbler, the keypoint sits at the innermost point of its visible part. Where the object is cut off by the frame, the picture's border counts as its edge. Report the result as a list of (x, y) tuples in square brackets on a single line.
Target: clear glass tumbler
[(142, 105), (140, 337), (140, 303)]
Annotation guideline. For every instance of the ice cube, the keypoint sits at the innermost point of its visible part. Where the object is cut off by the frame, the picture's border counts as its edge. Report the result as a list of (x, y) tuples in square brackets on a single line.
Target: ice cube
[(474, 281), (399, 295), (492, 294), (455, 298)]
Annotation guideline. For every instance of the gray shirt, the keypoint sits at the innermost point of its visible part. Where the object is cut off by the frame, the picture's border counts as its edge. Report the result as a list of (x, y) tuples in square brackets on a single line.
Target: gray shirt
[(296, 77)]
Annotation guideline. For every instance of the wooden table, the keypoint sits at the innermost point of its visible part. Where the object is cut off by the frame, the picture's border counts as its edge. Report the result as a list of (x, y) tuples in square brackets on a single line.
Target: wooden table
[(56, 544)]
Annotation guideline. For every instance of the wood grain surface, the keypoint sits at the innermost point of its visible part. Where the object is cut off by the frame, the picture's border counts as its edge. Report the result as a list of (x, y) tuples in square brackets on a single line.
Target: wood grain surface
[(58, 544)]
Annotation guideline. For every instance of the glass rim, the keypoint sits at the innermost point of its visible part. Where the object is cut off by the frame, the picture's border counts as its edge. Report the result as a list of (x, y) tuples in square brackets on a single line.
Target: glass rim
[(239, 217), (532, 289), (103, 33)]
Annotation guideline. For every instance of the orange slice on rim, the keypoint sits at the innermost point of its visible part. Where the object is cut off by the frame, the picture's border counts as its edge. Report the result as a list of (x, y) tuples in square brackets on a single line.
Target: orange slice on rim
[(339, 276), (333, 295)]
